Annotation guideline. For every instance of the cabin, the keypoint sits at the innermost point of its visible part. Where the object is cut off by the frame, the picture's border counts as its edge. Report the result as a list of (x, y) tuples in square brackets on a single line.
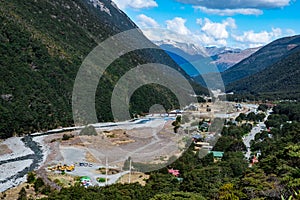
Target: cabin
[(218, 155)]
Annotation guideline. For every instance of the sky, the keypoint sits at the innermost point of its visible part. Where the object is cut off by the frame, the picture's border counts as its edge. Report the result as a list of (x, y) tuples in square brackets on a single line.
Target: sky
[(232, 23)]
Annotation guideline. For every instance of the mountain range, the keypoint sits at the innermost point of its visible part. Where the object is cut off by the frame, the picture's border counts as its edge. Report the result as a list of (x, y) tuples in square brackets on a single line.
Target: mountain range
[(271, 71), (264, 58), (218, 58), (276, 77)]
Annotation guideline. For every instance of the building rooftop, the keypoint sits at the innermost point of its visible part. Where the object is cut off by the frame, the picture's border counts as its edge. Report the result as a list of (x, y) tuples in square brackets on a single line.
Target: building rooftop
[(217, 154)]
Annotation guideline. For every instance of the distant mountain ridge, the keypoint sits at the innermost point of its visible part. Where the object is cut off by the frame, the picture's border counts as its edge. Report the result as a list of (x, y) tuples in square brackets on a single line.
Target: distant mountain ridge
[(187, 48), (214, 51), (229, 58), (183, 54), (281, 80), (220, 57), (279, 77), (263, 58)]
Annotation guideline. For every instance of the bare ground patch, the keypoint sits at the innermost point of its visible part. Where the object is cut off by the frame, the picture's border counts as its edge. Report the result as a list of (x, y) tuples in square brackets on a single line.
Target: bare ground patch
[(135, 177), (4, 149)]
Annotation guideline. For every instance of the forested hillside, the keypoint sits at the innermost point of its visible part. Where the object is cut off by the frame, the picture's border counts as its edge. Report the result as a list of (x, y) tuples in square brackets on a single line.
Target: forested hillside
[(279, 81), (42, 45), (262, 59)]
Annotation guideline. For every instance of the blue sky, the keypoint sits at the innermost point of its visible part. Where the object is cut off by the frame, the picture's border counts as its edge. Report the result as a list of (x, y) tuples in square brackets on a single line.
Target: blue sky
[(233, 23)]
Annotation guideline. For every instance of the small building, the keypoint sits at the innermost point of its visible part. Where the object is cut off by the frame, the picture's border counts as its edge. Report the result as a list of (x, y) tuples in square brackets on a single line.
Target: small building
[(85, 181), (263, 127), (174, 172), (207, 147), (201, 144), (238, 106), (253, 161), (258, 154), (180, 179), (204, 127), (197, 137), (176, 112), (191, 108), (218, 155)]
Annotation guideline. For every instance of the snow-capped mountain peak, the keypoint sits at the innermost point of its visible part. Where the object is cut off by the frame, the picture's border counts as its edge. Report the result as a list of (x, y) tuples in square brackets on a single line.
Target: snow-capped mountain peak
[(222, 57), (189, 48)]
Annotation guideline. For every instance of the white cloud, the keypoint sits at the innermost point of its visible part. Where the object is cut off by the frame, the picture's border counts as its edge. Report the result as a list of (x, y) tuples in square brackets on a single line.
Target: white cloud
[(230, 12), (159, 34), (290, 32), (175, 30), (137, 4), (216, 30), (255, 39), (276, 32), (209, 34), (236, 4), (254, 45), (178, 25), (146, 22), (200, 39), (250, 36)]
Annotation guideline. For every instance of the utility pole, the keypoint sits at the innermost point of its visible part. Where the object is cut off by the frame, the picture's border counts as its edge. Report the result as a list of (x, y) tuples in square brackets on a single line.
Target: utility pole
[(106, 171), (129, 177), (121, 178)]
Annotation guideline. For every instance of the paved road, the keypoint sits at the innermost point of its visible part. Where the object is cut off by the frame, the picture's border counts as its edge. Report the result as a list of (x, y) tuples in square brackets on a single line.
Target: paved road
[(250, 136)]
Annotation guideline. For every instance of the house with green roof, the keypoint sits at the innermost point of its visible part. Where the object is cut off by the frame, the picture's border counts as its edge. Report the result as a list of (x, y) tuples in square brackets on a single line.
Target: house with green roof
[(85, 181), (218, 155)]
